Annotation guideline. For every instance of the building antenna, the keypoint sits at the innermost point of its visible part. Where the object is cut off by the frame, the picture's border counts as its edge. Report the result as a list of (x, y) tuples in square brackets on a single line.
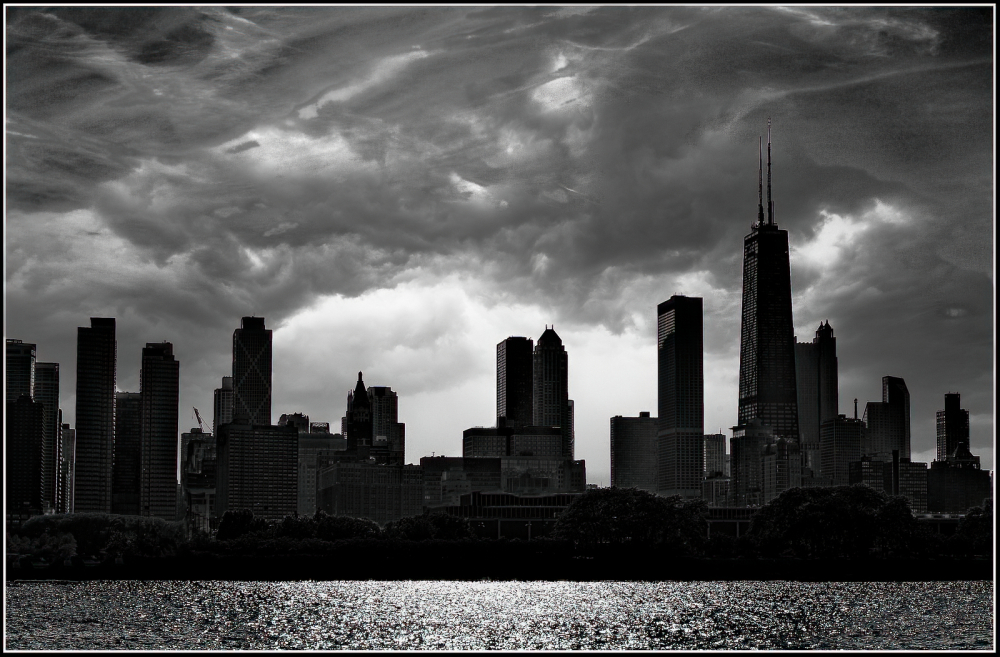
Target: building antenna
[(760, 181), (770, 206)]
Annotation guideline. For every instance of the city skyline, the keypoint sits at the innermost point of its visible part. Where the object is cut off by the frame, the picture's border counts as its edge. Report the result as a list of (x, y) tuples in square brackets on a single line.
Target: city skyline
[(465, 175)]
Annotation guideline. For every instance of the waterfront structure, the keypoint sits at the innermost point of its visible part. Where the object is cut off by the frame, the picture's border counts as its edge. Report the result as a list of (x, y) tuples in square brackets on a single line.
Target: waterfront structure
[(357, 424), (515, 381), (46, 388), (257, 469), (252, 373), (746, 450), (126, 472), (25, 432), (159, 391), (67, 437), (509, 515), (781, 468), (199, 461), (633, 452), (383, 493), (840, 445), (96, 366), (817, 385), (20, 370), (887, 423), (388, 433), (680, 451), (223, 405), (550, 393), (767, 388), (952, 426)]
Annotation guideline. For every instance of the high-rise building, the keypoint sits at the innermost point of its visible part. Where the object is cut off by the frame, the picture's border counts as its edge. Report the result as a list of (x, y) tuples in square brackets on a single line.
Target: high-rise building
[(126, 473), (198, 485), (515, 381), (223, 405), (357, 425), (388, 433), (158, 447), (887, 423), (952, 426), (746, 449), (68, 471), (252, 372), (840, 445), (681, 397), (23, 457), (317, 450), (781, 468), (957, 483), (550, 387), (715, 455), (633, 452), (20, 369), (96, 362), (257, 469), (767, 342), (906, 478), (47, 392), (817, 390)]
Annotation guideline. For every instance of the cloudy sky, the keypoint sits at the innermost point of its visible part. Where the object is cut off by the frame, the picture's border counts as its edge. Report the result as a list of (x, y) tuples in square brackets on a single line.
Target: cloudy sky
[(396, 190)]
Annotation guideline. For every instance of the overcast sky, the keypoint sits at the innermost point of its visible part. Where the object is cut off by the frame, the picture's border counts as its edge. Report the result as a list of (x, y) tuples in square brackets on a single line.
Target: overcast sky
[(396, 190)]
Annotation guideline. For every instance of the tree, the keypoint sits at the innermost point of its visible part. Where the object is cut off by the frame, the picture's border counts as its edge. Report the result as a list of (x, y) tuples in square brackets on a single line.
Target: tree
[(977, 528), (234, 524)]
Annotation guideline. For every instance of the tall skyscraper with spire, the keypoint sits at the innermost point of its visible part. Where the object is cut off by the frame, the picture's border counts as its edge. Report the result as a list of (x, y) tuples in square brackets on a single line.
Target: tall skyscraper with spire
[(767, 340)]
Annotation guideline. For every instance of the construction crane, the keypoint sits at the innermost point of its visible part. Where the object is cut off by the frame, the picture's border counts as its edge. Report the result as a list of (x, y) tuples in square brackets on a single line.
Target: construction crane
[(197, 415)]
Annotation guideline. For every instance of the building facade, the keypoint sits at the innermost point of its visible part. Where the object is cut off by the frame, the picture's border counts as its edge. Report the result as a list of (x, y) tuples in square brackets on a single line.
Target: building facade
[(252, 373), (781, 463), (550, 387), (515, 381), (257, 469), (67, 437), (383, 493), (199, 460), (680, 451), (159, 381), (887, 423), (316, 451), (840, 445), (222, 405), (817, 387), (127, 470), (952, 426), (633, 452), (746, 449), (47, 392), (20, 370), (24, 424), (96, 367), (388, 433)]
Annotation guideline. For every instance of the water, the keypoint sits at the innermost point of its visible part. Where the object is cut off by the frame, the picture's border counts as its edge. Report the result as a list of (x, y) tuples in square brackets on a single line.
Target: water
[(444, 615)]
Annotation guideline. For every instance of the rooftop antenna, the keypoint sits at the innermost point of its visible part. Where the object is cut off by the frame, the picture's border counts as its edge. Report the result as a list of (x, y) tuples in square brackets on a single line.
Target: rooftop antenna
[(770, 206), (760, 181)]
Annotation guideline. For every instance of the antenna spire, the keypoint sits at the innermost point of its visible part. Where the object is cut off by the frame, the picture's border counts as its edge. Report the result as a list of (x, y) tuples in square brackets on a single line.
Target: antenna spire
[(760, 182), (770, 206)]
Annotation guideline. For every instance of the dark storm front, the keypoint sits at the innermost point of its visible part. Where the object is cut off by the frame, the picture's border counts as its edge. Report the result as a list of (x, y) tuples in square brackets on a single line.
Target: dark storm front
[(499, 615)]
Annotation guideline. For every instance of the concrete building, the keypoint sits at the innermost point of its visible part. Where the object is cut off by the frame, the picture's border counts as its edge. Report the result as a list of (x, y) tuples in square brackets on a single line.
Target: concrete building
[(887, 423), (127, 470), (96, 363), (440, 473), (25, 433), (817, 393), (20, 370), (515, 381), (257, 470), (840, 445), (160, 381), (957, 483), (47, 392), (715, 455), (550, 387), (383, 493), (633, 452), (681, 397), (716, 491), (252, 373), (316, 451), (223, 405)]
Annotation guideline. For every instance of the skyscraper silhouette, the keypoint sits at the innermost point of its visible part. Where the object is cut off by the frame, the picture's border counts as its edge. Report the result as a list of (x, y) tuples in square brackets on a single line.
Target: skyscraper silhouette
[(125, 479), (887, 423), (158, 445), (252, 372), (767, 342), (550, 379), (514, 381), (817, 385), (386, 426), (358, 421), (223, 405), (20, 370), (96, 362), (47, 392), (952, 426), (681, 394)]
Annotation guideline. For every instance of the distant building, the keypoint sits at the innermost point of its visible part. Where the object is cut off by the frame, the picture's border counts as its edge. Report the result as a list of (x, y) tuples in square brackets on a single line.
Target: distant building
[(357, 425), (223, 405), (25, 433), (297, 420), (505, 440), (538, 475), (383, 493), (952, 426), (319, 427), (746, 449), (908, 479), (96, 362), (316, 451), (252, 373), (957, 483), (199, 461), (840, 445), (633, 452), (817, 390), (715, 455), (867, 471), (440, 473), (67, 465), (716, 491), (507, 515), (20, 370), (160, 389), (388, 433), (781, 463), (550, 381), (887, 423), (514, 381), (127, 469), (681, 397), (257, 470), (47, 392)]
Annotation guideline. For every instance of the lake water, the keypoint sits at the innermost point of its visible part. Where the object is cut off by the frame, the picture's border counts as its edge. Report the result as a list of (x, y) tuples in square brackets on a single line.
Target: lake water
[(445, 615)]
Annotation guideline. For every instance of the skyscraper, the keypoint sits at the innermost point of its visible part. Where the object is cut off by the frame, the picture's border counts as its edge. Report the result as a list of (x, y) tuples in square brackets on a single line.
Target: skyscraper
[(20, 369), (68, 438), (358, 421), (158, 447), (23, 457), (633, 452), (125, 480), (952, 426), (817, 390), (514, 381), (767, 342), (550, 380), (252, 372), (681, 395), (386, 428), (47, 392), (887, 423), (840, 441), (223, 405), (96, 362)]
